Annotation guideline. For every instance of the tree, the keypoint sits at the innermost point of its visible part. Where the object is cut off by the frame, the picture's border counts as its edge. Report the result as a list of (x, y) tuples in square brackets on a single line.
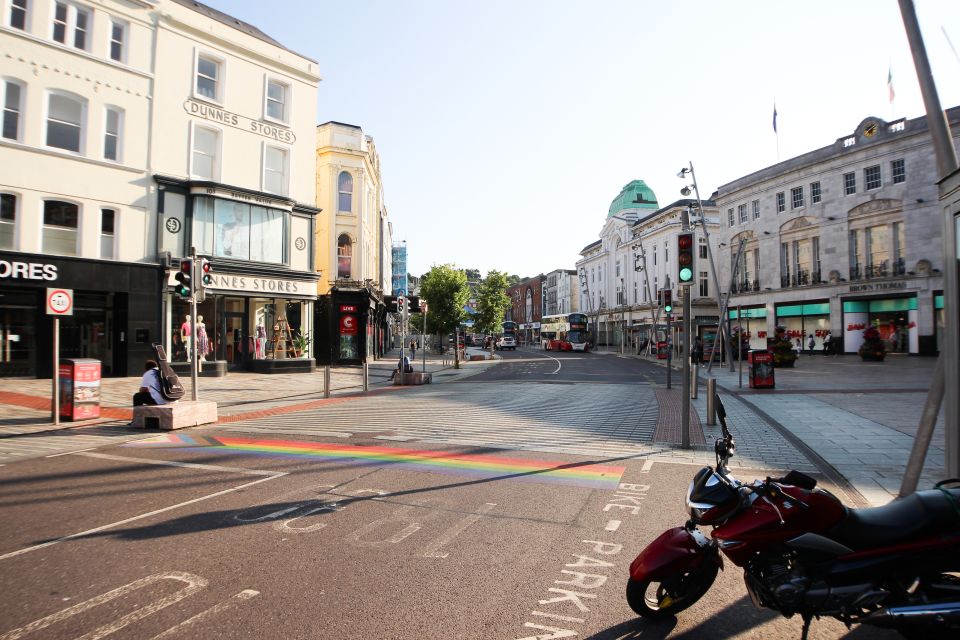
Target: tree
[(445, 289), (492, 302), (513, 279), (473, 275)]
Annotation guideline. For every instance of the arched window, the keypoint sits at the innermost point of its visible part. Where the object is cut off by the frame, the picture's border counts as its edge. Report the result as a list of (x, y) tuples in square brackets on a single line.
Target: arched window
[(344, 256), (345, 189), (60, 222)]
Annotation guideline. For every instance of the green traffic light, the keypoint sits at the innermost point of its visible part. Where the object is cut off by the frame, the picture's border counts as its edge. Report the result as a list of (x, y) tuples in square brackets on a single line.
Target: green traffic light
[(686, 274), (183, 292)]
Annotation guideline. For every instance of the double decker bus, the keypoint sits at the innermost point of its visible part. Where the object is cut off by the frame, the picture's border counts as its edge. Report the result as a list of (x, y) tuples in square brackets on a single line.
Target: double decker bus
[(564, 332)]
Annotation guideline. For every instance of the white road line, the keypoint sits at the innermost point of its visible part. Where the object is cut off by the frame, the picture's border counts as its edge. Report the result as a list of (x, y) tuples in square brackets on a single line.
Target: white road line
[(613, 525), (647, 465), (557, 360), (70, 453), (246, 594), (554, 616), (134, 518), (185, 465)]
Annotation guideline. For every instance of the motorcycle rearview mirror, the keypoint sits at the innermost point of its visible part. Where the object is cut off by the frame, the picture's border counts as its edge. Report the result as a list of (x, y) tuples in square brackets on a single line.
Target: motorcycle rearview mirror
[(721, 412)]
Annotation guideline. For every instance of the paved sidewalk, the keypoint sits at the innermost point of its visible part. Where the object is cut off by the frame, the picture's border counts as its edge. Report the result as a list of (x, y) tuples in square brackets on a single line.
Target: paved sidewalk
[(857, 418)]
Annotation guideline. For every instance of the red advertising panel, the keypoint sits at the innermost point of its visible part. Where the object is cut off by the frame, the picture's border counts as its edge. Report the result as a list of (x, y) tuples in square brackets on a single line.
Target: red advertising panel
[(761, 369), (79, 389)]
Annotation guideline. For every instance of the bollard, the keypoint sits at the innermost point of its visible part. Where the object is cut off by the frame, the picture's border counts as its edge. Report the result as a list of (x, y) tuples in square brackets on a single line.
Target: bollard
[(366, 377), (693, 381), (711, 402), (326, 381)]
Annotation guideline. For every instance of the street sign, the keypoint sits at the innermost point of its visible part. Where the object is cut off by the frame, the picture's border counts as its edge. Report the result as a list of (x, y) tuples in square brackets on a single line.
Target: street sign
[(59, 302)]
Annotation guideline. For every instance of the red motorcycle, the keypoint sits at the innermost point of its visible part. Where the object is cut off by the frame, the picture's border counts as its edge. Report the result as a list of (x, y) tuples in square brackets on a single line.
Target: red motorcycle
[(803, 552)]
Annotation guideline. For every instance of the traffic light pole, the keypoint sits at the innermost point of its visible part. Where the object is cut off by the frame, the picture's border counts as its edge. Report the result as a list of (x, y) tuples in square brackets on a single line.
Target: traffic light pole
[(685, 343), (193, 324)]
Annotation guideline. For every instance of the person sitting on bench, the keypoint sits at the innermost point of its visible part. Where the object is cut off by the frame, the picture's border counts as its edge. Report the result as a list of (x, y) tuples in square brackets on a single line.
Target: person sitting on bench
[(149, 393)]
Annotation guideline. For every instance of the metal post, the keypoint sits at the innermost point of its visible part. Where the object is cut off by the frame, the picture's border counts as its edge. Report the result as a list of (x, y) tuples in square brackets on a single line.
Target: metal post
[(193, 324), (947, 164), (694, 381), (366, 376), (711, 401), (726, 301), (456, 347), (326, 381), (55, 409), (921, 443), (423, 345), (669, 349), (685, 344), (739, 350)]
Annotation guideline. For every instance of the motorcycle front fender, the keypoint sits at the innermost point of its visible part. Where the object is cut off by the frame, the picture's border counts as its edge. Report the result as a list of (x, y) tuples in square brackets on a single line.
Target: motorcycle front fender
[(676, 550)]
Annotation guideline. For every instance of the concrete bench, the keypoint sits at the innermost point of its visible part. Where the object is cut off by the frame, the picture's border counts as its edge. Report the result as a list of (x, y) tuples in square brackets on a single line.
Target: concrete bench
[(177, 415), (412, 378)]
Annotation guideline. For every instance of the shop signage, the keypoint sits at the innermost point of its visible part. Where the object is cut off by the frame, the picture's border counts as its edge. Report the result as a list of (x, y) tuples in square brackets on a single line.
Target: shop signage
[(348, 308), (877, 286), (250, 198), (348, 325), (235, 120), (27, 270), (256, 284)]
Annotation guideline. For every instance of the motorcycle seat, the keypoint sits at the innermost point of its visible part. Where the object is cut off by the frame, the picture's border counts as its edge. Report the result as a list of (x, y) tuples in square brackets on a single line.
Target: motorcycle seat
[(922, 513)]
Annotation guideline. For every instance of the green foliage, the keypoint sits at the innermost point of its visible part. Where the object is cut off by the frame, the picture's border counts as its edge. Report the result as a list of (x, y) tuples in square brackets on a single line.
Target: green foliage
[(473, 275), (445, 289), (492, 302), (513, 279), (783, 353)]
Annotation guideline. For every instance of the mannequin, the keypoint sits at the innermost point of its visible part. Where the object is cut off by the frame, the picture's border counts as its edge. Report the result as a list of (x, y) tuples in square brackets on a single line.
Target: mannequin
[(203, 342), (185, 336), (261, 340)]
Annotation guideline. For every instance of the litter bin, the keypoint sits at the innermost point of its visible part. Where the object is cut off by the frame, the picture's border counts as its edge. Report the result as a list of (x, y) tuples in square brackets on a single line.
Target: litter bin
[(760, 363), (79, 389), (662, 350)]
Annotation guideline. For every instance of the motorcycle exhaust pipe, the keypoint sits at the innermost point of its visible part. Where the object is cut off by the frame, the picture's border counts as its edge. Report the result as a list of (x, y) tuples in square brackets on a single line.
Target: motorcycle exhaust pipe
[(920, 614)]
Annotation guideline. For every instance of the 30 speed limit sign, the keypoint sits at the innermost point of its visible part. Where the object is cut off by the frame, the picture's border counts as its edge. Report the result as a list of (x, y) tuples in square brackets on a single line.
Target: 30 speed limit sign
[(59, 302)]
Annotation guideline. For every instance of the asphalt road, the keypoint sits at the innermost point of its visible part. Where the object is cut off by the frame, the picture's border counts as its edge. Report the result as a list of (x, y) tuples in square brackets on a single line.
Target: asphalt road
[(217, 533), (537, 365)]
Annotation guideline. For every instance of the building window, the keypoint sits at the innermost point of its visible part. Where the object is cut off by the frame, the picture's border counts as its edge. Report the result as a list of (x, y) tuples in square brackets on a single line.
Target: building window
[(118, 36), (742, 212), (899, 264), (898, 171), (345, 190), (871, 177), (781, 202), (276, 100), (12, 107), (108, 218), (18, 14), (344, 256), (730, 219), (206, 152), (796, 197), (784, 264), (67, 17), (704, 285), (856, 271), (241, 231), (275, 165), (60, 221), (878, 250), (208, 83), (8, 219), (702, 242), (65, 122), (756, 209), (815, 195), (849, 183), (111, 133)]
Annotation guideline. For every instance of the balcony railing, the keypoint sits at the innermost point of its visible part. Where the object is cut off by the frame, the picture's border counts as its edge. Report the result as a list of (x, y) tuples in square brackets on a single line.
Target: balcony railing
[(745, 286)]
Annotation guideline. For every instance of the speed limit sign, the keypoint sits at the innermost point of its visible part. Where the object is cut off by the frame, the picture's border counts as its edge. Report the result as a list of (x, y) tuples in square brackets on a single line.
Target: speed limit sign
[(59, 302)]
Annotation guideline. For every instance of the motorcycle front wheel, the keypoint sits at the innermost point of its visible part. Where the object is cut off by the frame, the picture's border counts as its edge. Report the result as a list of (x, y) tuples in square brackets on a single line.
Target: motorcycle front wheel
[(661, 599)]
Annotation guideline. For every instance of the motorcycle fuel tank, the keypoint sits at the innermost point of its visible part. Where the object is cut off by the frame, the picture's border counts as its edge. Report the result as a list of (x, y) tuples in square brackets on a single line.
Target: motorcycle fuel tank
[(775, 518)]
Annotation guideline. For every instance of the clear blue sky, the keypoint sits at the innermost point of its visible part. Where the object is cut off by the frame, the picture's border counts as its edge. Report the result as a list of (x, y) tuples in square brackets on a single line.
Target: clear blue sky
[(506, 127)]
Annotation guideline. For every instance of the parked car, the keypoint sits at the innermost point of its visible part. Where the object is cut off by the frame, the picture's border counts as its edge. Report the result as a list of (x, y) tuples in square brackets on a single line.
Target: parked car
[(507, 342)]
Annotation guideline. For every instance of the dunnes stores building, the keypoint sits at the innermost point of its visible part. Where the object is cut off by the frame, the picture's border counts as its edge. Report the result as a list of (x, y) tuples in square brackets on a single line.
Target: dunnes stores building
[(839, 239), (132, 132)]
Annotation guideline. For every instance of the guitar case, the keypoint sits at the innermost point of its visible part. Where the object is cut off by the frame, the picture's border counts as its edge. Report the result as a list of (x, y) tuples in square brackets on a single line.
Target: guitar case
[(170, 387)]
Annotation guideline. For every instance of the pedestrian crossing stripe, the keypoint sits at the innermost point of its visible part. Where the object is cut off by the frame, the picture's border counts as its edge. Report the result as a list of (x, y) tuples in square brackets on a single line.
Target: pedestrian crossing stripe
[(586, 474)]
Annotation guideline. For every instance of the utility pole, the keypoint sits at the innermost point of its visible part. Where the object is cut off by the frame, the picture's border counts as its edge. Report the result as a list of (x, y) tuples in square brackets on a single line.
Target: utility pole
[(685, 393)]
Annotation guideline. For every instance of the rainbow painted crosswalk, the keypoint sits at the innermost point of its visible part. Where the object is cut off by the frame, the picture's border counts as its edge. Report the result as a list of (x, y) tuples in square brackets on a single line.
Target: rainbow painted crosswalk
[(584, 474)]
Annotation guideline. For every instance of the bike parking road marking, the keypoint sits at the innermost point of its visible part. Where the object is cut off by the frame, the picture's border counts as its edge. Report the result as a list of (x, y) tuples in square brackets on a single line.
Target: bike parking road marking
[(613, 525), (246, 594), (105, 527), (194, 583), (433, 549), (647, 465)]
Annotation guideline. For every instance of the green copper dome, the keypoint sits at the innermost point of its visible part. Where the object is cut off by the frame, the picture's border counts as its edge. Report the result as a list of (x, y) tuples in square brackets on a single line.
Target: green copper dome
[(634, 197)]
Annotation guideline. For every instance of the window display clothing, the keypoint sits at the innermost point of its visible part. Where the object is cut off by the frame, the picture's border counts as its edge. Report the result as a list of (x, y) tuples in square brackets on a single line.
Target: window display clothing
[(185, 333), (203, 342), (261, 342)]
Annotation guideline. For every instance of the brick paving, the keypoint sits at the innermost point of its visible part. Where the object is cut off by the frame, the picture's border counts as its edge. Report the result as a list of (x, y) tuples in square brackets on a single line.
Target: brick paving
[(670, 420)]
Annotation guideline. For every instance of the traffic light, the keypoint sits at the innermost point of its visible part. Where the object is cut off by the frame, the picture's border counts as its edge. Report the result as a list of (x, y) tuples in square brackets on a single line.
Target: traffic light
[(206, 274), (185, 278), (667, 300), (685, 248), (401, 301)]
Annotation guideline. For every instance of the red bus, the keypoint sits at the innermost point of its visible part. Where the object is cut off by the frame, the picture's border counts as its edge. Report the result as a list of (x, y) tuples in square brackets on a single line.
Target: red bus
[(564, 332)]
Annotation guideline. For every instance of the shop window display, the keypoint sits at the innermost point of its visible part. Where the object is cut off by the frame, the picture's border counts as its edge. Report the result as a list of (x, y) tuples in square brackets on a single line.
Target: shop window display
[(240, 231)]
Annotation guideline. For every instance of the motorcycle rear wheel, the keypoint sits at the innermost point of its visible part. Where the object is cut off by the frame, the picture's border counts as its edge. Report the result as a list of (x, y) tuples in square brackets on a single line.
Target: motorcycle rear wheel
[(662, 599)]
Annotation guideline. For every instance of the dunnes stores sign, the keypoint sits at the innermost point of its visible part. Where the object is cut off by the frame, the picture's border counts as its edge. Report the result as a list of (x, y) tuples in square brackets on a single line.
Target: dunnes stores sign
[(235, 120), (16, 270), (253, 284)]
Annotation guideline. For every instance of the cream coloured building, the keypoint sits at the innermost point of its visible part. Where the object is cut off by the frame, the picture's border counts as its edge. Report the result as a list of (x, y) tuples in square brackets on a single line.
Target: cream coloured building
[(353, 244), (134, 130)]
